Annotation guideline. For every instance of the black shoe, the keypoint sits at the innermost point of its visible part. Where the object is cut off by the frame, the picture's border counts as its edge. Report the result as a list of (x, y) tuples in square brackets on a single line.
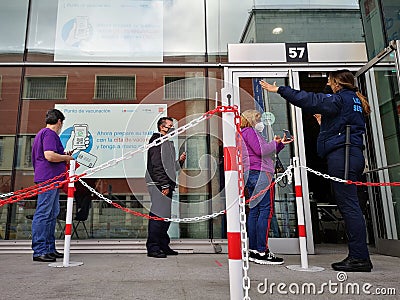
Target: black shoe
[(253, 255), (56, 254), (170, 252), (267, 258), (350, 264), (44, 258), (157, 254)]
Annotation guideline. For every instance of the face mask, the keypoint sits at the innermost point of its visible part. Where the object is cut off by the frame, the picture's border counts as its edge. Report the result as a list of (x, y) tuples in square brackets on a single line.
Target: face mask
[(259, 126), (170, 130)]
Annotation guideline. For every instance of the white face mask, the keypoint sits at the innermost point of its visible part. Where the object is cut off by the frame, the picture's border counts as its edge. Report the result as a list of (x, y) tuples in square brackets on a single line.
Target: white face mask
[(259, 126)]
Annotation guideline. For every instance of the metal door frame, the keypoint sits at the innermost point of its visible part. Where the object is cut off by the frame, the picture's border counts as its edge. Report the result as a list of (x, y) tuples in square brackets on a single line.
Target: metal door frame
[(232, 73), (391, 244), (280, 245)]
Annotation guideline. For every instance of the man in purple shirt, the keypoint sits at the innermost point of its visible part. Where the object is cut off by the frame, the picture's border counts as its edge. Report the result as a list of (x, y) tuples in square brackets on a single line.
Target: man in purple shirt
[(49, 161)]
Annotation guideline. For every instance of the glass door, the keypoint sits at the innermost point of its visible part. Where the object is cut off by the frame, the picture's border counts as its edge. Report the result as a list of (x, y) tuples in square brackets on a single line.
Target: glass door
[(277, 115), (379, 81)]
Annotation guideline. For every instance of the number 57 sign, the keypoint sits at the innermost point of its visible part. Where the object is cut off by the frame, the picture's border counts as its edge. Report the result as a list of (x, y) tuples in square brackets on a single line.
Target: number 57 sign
[(296, 52)]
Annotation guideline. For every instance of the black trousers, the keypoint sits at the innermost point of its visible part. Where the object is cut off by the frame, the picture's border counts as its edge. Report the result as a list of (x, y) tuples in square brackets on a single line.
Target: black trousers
[(157, 233), (347, 199), (158, 238)]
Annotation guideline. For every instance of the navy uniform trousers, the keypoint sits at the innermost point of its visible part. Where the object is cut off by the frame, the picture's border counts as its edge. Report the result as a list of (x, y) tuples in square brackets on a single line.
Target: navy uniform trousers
[(347, 199)]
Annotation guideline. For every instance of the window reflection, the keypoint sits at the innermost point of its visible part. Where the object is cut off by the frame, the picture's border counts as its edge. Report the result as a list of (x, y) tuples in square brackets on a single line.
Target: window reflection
[(13, 23), (185, 35)]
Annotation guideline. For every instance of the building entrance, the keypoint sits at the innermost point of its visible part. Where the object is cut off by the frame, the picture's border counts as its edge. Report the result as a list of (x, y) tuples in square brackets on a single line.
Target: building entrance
[(250, 63)]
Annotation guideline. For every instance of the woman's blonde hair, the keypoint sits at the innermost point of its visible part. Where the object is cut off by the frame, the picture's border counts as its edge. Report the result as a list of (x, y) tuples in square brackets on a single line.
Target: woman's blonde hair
[(346, 79), (249, 118)]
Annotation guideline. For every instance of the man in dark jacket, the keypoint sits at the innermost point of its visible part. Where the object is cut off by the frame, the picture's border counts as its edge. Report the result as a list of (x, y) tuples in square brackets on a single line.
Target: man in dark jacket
[(161, 182)]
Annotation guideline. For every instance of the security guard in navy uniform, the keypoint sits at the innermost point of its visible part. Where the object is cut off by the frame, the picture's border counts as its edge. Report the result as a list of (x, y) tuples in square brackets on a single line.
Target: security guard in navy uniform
[(346, 106), (161, 182)]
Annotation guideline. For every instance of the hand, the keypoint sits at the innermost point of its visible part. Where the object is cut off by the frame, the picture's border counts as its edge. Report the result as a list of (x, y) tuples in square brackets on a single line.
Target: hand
[(69, 147), (269, 87), (182, 157), (68, 158), (286, 141), (165, 191), (318, 118), (278, 139)]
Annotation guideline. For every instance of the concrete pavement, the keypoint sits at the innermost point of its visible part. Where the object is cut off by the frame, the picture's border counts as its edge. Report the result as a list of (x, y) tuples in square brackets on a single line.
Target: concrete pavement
[(191, 276)]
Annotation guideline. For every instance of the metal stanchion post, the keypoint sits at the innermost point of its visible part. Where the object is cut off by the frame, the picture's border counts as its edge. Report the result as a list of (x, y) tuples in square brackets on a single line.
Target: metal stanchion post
[(347, 153), (301, 224)]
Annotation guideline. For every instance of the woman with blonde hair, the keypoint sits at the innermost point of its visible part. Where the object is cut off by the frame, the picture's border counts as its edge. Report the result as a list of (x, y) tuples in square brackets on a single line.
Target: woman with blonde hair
[(258, 163), (334, 112)]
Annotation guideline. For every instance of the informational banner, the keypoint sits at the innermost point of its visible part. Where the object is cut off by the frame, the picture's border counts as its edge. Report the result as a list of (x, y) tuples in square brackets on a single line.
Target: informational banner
[(109, 31), (98, 133)]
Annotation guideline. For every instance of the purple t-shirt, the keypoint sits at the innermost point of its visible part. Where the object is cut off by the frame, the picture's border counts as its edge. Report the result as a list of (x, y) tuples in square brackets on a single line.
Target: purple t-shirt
[(46, 140), (258, 154)]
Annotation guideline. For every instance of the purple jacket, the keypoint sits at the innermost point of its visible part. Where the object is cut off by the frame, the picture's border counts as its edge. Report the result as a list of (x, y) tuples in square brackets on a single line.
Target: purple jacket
[(258, 154)]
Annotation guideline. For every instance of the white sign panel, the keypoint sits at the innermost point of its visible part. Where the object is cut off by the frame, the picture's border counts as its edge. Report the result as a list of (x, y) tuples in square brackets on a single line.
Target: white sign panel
[(109, 31), (98, 133)]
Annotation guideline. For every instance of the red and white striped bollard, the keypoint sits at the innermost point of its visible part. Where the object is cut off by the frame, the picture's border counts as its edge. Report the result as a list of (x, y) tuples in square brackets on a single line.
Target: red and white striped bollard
[(301, 223), (232, 205), (68, 222)]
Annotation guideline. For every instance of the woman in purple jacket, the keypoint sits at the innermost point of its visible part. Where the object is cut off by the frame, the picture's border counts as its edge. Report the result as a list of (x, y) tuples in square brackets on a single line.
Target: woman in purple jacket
[(259, 168)]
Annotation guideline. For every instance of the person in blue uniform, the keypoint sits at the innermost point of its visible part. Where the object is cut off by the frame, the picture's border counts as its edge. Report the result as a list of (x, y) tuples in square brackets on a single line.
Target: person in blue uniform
[(346, 106)]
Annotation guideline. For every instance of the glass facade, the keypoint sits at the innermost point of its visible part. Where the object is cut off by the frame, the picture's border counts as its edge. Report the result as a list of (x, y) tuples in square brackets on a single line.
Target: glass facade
[(373, 27), (95, 53), (200, 143), (13, 16), (287, 26), (284, 222), (384, 156), (57, 33), (197, 32), (381, 22)]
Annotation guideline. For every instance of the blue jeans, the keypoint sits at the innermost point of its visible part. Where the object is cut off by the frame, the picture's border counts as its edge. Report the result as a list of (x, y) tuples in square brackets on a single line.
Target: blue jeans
[(44, 223), (260, 215)]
